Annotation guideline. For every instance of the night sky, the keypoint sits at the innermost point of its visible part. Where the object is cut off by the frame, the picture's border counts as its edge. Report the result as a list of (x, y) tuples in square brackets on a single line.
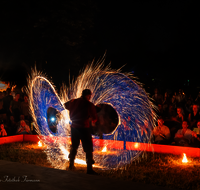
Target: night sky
[(155, 40)]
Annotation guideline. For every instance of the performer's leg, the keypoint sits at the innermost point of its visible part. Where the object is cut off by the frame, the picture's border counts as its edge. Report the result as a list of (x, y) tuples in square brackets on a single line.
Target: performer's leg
[(86, 139), (75, 139)]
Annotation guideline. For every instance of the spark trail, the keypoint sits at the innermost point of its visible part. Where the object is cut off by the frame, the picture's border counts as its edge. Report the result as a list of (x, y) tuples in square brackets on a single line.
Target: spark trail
[(132, 104)]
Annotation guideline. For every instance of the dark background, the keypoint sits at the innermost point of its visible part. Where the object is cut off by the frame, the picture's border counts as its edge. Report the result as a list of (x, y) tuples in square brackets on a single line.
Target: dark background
[(158, 41)]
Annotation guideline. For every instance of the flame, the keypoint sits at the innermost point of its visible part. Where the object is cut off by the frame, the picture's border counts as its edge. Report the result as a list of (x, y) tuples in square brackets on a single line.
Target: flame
[(39, 144), (4, 85), (136, 145), (104, 149), (185, 160)]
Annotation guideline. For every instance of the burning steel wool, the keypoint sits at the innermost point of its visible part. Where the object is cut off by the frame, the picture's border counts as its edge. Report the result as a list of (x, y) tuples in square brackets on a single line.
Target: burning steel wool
[(132, 104)]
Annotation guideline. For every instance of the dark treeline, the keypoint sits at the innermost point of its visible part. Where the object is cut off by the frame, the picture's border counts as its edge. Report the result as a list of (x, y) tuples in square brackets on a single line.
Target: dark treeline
[(155, 40)]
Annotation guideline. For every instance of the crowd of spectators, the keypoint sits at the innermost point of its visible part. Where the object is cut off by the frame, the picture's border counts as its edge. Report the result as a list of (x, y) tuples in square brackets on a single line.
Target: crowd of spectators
[(15, 117), (178, 119)]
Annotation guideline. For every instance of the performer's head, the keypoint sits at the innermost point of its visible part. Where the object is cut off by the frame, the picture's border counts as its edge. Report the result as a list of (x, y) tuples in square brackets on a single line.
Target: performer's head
[(86, 93)]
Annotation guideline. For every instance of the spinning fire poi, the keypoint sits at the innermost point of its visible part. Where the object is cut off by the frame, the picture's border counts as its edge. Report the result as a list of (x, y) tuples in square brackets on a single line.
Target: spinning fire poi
[(132, 104)]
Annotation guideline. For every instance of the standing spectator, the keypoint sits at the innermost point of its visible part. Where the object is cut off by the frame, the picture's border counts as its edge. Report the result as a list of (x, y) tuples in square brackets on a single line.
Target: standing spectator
[(3, 132), (157, 97), (7, 100), (166, 103), (161, 133), (197, 100), (188, 105), (180, 98), (174, 100), (15, 107), (25, 109), (1, 95), (194, 116)]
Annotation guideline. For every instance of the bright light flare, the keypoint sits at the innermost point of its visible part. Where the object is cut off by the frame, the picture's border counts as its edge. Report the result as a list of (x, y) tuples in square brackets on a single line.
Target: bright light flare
[(39, 144), (184, 160), (104, 149), (136, 145), (53, 119)]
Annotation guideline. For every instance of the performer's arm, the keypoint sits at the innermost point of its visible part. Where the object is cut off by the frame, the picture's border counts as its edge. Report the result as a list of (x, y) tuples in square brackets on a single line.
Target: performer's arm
[(93, 114)]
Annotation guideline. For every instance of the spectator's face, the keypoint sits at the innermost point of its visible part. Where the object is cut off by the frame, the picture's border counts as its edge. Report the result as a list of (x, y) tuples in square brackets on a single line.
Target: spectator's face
[(178, 111), (17, 96), (160, 122), (22, 123), (198, 124), (2, 126), (159, 106), (11, 118), (195, 108), (184, 125), (25, 99)]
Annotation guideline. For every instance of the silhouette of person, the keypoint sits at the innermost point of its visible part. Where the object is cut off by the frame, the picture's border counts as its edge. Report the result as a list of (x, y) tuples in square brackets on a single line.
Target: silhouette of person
[(81, 112)]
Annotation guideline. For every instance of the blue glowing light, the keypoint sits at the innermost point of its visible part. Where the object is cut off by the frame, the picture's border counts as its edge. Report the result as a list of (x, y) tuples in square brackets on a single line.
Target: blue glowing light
[(53, 119), (132, 104)]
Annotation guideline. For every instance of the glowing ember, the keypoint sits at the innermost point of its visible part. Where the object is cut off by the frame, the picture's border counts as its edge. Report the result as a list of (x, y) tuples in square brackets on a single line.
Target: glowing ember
[(185, 160), (104, 149), (39, 144)]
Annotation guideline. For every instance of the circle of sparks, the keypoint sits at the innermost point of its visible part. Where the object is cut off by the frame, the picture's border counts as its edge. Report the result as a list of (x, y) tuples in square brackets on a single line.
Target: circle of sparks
[(127, 97)]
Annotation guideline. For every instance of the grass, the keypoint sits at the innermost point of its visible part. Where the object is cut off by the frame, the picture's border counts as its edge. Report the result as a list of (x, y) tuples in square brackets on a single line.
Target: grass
[(159, 169)]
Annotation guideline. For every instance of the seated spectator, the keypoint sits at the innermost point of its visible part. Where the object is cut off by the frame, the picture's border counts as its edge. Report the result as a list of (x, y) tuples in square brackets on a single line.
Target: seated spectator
[(194, 116), (23, 128), (197, 131), (179, 118), (161, 133), (184, 136), (171, 112), (3, 132), (160, 111), (188, 105)]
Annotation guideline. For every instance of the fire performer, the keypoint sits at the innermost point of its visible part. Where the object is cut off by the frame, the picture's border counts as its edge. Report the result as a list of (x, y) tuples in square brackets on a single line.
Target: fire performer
[(81, 112)]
